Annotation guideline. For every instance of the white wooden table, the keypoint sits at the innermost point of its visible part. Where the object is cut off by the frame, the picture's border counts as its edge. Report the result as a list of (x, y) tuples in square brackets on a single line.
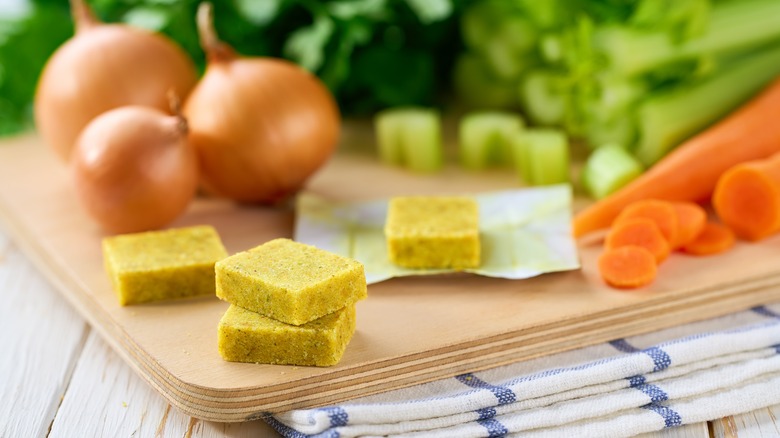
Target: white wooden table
[(58, 378)]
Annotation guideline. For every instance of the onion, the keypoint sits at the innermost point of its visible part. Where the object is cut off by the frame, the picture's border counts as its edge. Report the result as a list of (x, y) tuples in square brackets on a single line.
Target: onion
[(134, 169), (105, 66), (261, 126)]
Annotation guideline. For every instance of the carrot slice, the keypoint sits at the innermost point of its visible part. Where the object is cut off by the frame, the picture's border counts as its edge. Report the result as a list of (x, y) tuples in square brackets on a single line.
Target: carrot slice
[(747, 198), (714, 238), (641, 232), (627, 266), (661, 212), (691, 217)]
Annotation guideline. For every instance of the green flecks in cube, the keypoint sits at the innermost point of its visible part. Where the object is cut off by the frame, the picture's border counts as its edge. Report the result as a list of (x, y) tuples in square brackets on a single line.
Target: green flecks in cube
[(289, 281), (245, 336), (433, 232), (161, 265)]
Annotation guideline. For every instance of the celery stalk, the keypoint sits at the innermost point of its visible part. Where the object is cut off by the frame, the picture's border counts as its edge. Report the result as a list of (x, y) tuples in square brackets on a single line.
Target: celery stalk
[(607, 169), (544, 95), (478, 87), (542, 156), (733, 25), (668, 119), (508, 51), (479, 21), (485, 138)]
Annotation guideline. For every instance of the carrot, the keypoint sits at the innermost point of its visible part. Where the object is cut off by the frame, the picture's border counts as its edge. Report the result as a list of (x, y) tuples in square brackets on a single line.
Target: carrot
[(661, 212), (691, 218), (690, 172), (747, 198), (627, 267), (638, 232), (713, 239)]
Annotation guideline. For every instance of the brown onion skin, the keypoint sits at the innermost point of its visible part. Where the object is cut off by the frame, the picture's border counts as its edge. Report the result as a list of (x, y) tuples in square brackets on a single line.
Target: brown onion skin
[(134, 170), (105, 66), (261, 126)]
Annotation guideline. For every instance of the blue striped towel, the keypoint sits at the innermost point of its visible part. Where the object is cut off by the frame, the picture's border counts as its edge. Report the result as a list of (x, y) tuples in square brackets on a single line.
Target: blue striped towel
[(686, 374)]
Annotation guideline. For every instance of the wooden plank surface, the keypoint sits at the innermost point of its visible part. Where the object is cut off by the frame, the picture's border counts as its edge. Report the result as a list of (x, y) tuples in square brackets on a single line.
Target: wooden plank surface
[(41, 339), (105, 397), (469, 322), (761, 423)]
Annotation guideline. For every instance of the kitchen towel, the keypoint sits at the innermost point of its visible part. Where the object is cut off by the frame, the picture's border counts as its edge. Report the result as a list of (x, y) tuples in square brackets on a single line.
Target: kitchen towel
[(682, 375)]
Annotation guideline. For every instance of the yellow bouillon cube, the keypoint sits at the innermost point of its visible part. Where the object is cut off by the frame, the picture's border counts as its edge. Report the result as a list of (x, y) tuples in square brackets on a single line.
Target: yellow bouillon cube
[(433, 232), (289, 281), (246, 336), (161, 265)]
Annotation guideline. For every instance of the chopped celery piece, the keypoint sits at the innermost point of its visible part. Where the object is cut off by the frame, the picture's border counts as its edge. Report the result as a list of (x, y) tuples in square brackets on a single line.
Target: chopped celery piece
[(542, 156), (478, 87), (410, 137), (666, 120), (421, 139), (609, 168), (388, 125), (544, 96), (485, 138)]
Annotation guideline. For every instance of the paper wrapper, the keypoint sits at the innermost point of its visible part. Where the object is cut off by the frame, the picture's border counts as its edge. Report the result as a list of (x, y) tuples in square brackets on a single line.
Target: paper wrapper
[(523, 233)]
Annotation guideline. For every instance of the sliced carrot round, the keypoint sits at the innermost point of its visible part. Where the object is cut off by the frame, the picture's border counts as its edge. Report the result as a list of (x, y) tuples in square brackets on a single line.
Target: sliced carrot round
[(691, 218), (638, 232), (627, 267), (747, 199), (658, 211), (714, 239)]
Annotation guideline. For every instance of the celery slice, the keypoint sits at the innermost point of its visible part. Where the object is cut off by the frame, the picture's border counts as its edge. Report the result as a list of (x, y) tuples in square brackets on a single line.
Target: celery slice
[(485, 138), (733, 26), (411, 137), (388, 124), (607, 169), (421, 140), (542, 156)]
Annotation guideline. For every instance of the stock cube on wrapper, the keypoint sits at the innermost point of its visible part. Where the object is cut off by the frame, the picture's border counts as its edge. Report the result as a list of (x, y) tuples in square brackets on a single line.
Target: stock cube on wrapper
[(246, 336), (162, 265), (290, 281), (433, 232)]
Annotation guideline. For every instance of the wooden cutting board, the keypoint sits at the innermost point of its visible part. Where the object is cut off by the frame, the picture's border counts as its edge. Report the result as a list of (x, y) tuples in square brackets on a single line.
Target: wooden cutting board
[(409, 330)]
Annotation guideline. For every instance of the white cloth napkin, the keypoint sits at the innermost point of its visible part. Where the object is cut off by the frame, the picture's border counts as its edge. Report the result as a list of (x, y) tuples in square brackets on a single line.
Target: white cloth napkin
[(686, 374)]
